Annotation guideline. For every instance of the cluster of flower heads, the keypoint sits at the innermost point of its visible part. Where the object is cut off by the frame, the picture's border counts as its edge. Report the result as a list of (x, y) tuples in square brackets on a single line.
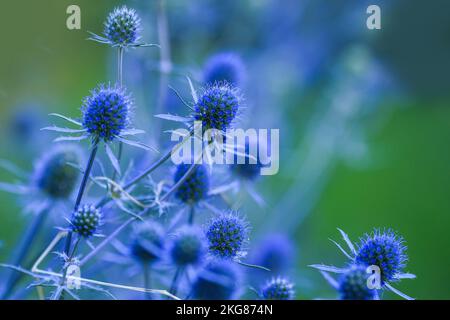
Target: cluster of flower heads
[(377, 260)]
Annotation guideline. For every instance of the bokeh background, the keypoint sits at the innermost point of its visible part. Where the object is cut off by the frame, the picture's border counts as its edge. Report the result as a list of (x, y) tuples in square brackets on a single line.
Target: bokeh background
[(364, 115)]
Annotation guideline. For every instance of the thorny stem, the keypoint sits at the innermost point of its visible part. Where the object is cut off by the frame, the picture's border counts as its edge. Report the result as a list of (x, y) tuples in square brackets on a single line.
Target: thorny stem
[(24, 248), (130, 220), (176, 278)]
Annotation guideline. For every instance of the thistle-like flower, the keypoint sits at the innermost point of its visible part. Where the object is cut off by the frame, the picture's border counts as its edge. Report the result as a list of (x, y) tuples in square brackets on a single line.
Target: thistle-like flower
[(106, 116), (251, 166), (381, 249), (276, 252), (122, 29), (147, 244), (352, 285), (227, 236), (196, 186), (278, 289), (217, 281), (385, 250), (56, 173), (217, 106), (224, 67), (86, 220), (188, 248), (106, 112)]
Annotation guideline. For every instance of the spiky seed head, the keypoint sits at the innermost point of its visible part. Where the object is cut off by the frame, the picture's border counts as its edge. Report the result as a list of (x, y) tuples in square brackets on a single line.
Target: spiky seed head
[(217, 281), (224, 67), (384, 249), (188, 247), (353, 284), (278, 289), (147, 242), (86, 220), (227, 236), (106, 112), (122, 26), (196, 186), (56, 173), (217, 106)]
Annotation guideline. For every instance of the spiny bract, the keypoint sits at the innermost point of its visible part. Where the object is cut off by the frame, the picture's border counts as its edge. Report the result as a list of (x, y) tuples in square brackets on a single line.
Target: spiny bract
[(217, 281), (56, 173), (383, 249), (224, 67), (188, 247), (147, 243), (196, 186), (353, 284), (227, 235), (106, 112), (278, 289), (86, 220), (217, 107), (122, 26)]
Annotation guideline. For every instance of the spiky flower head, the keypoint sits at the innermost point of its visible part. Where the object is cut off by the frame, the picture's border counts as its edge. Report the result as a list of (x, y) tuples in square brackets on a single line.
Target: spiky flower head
[(227, 236), (56, 172), (188, 247), (352, 284), (276, 252), (278, 289), (217, 106), (252, 165), (86, 220), (224, 67), (122, 26), (106, 112), (217, 281), (384, 249), (196, 186), (147, 242)]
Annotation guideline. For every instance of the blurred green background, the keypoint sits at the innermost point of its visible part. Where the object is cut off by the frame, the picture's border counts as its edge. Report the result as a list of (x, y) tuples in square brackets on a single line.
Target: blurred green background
[(406, 183)]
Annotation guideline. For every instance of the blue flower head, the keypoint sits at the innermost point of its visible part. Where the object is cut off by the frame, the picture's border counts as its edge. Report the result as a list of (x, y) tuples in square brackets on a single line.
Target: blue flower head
[(106, 112), (217, 106), (86, 220), (147, 242), (188, 247), (122, 27), (224, 67), (251, 168), (227, 236), (56, 173), (352, 284), (278, 289), (383, 249), (196, 186), (217, 281), (276, 252)]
